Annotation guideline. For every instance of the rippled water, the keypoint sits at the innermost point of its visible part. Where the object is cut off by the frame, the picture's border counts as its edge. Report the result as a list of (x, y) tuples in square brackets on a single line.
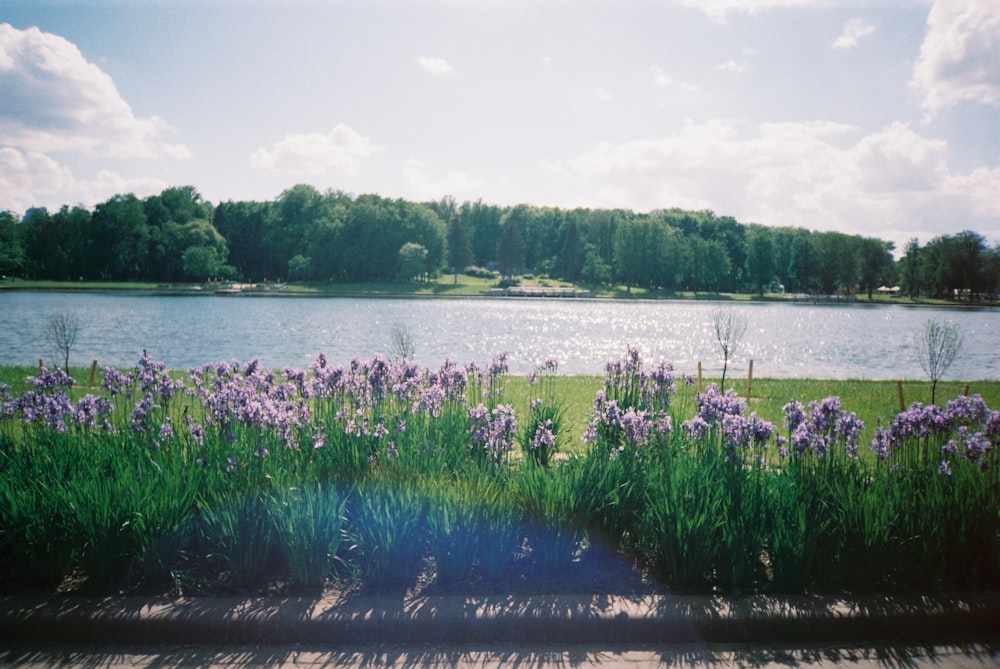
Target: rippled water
[(784, 340)]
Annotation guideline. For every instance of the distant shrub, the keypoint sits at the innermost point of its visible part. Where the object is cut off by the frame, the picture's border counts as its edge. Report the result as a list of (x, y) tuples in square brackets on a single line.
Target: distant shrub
[(479, 272)]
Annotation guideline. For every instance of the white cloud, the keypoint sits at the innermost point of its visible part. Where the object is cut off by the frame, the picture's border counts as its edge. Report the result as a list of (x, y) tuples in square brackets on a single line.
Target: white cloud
[(340, 151), (959, 56), (719, 10), (602, 93), (55, 100), (854, 31), (898, 160), (738, 65), (435, 66), (422, 186), (817, 175), (660, 78), (734, 66), (982, 187), (31, 179)]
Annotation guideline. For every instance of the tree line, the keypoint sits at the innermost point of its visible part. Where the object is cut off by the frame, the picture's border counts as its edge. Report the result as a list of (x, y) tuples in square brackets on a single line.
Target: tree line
[(308, 235)]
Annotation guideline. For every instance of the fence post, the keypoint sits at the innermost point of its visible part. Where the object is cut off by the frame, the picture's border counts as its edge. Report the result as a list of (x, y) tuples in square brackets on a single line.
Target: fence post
[(966, 391), (899, 389), (93, 372), (41, 365), (699, 376), (750, 380)]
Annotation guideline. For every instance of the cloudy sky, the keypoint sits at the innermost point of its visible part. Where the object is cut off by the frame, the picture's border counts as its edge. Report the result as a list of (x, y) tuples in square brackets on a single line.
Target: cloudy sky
[(872, 117)]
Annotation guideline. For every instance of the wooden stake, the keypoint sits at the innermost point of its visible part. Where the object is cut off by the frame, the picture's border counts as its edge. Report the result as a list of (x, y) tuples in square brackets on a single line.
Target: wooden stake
[(93, 373), (41, 365), (699, 376), (902, 404), (750, 381), (966, 391)]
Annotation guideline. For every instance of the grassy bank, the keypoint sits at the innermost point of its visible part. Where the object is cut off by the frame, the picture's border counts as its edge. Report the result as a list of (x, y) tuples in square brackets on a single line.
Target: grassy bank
[(390, 475), (447, 286)]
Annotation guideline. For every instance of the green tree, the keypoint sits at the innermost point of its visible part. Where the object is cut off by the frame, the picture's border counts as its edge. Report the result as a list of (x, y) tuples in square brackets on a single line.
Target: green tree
[(412, 261), (459, 250), (510, 249), (11, 252), (835, 261), (876, 266), (121, 238), (38, 239), (595, 271), (598, 230), (971, 256), (991, 265), (726, 231), (571, 252), (632, 253), (760, 259), (201, 263), (784, 256), (300, 268), (243, 225), (287, 226), (170, 216), (805, 263), (910, 268), (709, 266), (483, 222)]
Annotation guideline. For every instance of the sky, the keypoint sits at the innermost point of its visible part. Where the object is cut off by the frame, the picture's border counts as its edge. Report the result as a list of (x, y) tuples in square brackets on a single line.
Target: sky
[(872, 117)]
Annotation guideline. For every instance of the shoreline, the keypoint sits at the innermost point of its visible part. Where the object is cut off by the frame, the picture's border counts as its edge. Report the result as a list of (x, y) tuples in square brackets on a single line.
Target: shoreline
[(581, 295)]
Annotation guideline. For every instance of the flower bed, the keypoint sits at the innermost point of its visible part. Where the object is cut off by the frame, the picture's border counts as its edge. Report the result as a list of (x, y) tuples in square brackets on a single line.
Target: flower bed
[(385, 474)]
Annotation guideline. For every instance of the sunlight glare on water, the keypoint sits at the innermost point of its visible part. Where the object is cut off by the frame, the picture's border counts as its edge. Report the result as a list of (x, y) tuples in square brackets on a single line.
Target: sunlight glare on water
[(783, 339)]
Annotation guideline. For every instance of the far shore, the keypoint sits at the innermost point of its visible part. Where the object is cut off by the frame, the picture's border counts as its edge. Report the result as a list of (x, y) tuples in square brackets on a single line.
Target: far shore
[(467, 288)]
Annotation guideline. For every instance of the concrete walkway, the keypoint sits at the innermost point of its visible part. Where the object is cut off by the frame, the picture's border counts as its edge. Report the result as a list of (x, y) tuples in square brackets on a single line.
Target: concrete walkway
[(958, 629), (584, 656)]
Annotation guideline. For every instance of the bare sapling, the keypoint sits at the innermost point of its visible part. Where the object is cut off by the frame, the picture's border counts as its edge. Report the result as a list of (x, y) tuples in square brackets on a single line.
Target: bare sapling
[(61, 333), (730, 326), (937, 347)]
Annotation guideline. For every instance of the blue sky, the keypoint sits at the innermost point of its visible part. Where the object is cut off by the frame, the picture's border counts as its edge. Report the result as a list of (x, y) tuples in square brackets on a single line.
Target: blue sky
[(871, 117)]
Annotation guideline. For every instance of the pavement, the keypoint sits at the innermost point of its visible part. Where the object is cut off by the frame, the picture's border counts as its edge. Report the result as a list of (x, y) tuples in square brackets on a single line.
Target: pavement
[(934, 630)]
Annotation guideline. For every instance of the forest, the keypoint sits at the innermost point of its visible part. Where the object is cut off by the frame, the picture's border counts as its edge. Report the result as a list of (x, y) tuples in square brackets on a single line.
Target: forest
[(308, 235)]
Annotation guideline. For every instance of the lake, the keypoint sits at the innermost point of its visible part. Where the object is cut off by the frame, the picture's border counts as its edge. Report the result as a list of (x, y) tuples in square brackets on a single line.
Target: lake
[(785, 340)]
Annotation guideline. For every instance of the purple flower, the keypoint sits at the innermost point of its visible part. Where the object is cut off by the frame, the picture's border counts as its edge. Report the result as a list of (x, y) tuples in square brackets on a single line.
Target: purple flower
[(882, 443), (966, 410), (544, 438), (493, 432), (795, 415), (696, 428), (636, 427)]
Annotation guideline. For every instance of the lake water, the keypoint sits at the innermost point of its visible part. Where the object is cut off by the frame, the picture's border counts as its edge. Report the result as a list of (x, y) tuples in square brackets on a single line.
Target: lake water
[(783, 340)]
